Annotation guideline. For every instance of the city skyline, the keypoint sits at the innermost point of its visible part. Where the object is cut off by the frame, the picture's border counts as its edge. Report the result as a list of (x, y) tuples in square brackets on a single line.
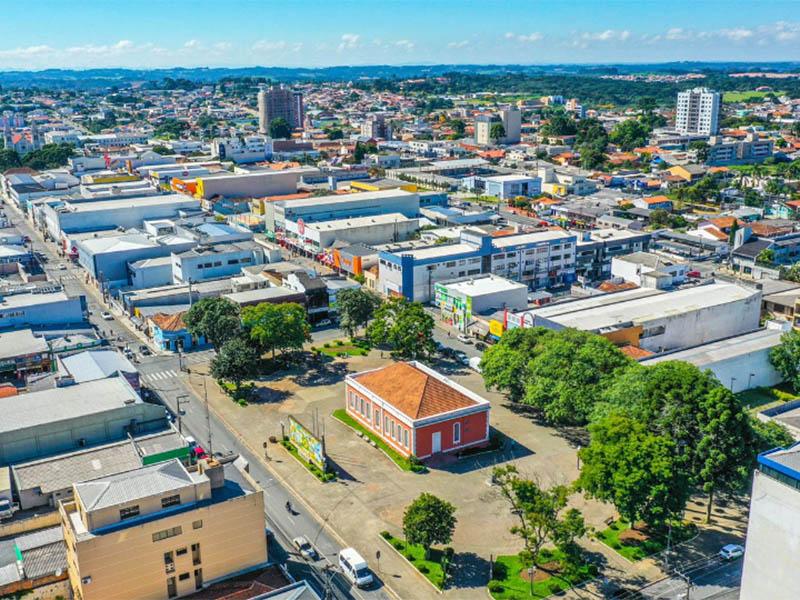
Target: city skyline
[(355, 32)]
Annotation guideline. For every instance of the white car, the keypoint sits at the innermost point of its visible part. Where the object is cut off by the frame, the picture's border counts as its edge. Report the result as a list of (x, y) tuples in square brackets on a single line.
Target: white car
[(731, 551), (107, 316), (304, 547), (355, 568), (464, 339)]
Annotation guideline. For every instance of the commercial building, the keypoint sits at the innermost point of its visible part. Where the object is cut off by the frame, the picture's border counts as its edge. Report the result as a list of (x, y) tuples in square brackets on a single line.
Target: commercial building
[(739, 363), (41, 307), (279, 102), (74, 217), (596, 249), (161, 532), (92, 365), (376, 229), (736, 152), (770, 565), (213, 262), (22, 352), (661, 321), (539, 259), (341, 206), (68, 418), (252, 148), (249, 185), (459, 300), (416, 410), (649, 270), (509, 186), (697, 112)]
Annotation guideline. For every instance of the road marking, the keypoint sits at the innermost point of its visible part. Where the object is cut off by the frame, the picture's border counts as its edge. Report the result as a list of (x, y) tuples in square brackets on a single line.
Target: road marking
[(161, 375)]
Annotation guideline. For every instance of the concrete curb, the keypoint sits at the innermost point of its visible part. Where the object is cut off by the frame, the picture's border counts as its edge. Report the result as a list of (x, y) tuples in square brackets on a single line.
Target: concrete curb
[(412, 565)]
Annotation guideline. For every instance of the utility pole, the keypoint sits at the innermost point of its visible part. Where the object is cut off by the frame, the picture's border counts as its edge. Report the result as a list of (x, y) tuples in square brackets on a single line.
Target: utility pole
[(178, 401), (208, 416)]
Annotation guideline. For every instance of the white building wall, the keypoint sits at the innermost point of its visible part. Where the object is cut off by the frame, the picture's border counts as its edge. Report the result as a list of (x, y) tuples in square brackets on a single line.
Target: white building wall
[(770, 568)]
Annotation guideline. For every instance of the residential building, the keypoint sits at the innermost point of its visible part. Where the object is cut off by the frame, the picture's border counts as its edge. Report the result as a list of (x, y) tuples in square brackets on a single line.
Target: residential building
[(511, 118), (649, 270), (253, 148), (595, 250), (769, 568), (376, 127), (460, 299), (697, 112), (169, 332), (539, 259), (416, 410), (280, 102), (160, 532)]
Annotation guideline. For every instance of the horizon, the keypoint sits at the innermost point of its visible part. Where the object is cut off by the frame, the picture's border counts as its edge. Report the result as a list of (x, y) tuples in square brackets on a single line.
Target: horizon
[(315, 34)]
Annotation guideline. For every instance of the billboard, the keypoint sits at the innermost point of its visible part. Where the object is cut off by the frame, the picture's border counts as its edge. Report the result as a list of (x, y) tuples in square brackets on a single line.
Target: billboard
[(308, 446)]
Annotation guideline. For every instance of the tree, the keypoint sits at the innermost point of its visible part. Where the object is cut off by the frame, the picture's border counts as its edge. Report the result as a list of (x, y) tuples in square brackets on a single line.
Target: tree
[(701, 149), (276, 327), (629, 134), (159, 149), (504, 365), (497, 131), (785, 357), (405, 327), (279, 129), (9, 159), (559, 123), (237, 360), (334, 133), (459, 127), (356, 307), (568, 373), (49, 156), (634, 469), (170, 129), (216, 319), (766, 257), (429, 520), (732, 234), (770, 435), (540, 515), (361, 150)]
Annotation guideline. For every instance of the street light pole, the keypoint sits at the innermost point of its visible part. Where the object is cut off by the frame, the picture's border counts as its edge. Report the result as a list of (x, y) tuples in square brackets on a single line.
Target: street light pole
[(178, 401)]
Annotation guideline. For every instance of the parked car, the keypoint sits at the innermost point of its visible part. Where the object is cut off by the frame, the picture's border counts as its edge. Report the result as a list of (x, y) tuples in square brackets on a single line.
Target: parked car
[(107, 316), (324, 323), (731, 551), (355, 568), (464, 339), (304, 547), (7, 508), (144, 350), (480, 346)]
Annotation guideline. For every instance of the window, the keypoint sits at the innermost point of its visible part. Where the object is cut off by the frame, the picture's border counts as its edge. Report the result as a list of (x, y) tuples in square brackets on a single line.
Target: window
[(456, 433), (167, 533), (180, 551), (405, 438), (368, 407), (129, 512), (377, 417), (361, 406), (198, 579), (386, 424), (183, 576), (170, 501), (172, 589), (197, 524), (394, 436), (196, 554), (169, 562)]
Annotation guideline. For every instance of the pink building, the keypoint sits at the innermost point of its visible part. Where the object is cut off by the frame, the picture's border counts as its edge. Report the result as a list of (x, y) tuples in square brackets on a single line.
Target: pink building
[(416, 410)]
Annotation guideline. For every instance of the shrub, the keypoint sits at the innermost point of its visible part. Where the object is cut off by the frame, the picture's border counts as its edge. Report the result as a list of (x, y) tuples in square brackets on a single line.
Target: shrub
[(496, 587), (339, 343), (449, 552), (326, 345), (616, 545), (398, 545), (593, 570), (386, 535), (554, 587), (409, 556), (424, 569), (342, 354)]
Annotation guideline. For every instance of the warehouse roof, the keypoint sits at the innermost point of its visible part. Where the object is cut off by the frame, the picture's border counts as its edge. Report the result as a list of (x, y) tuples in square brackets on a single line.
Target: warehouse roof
[(479, 286), (128, 203), (714, 352), (21, 343), (345, 198), (65, 403), (96, 364), (344, 224)]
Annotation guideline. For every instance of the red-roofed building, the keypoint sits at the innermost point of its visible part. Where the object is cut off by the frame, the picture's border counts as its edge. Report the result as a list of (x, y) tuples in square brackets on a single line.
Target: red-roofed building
[(416, 410)]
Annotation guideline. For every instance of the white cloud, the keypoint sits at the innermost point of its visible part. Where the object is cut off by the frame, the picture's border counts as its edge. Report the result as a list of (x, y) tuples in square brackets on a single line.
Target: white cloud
[(609, 35), (123, 45), (192, 45), (276, 46), (406, 45), (222, 46), (27, 52), (736, 35), (349, 41), (676, 33), (461, 44), (528, 38)]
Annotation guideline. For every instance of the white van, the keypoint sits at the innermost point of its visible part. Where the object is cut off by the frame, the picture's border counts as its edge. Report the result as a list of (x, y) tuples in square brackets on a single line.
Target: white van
[(355, 568)]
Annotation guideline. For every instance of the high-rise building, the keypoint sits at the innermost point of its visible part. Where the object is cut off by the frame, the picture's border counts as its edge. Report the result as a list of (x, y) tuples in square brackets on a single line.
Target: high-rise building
[(698, 112), (161, 532), (770, 559), (512, 124), (279, 102), (375, 126)]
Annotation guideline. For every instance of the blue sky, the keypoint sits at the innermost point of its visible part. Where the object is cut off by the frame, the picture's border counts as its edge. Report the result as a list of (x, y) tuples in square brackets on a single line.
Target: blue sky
[(158, 33)]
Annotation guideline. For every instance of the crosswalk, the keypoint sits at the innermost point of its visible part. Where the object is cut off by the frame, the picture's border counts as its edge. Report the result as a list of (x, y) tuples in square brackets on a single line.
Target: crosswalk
[(160, 375)]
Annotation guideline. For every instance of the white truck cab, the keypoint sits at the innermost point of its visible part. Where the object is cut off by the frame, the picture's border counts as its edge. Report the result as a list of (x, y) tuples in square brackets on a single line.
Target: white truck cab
[(355, 568)]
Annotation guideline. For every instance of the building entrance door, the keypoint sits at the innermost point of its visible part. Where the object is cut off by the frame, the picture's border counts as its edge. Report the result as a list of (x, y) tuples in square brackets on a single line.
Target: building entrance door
[(436, 442)]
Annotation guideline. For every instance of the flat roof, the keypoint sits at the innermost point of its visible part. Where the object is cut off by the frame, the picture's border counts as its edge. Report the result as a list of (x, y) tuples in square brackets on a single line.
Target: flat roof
[(129, 202), (260, 294), (610, 235), (439, 251), (480, 286), (646, 309), (31, 299), (339, 224), (714, 352), (561, 308), (530, 238), (65, 403), (509, 178), (20, 343), (344, 198)]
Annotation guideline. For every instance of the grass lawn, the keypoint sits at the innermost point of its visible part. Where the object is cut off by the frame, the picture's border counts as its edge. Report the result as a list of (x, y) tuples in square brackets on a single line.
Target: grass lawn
[(749, 96), (314, 469), (431, 569), (508, 583), (342, 348), (239, 397), (637, 550), (400, 460), (759, 399)]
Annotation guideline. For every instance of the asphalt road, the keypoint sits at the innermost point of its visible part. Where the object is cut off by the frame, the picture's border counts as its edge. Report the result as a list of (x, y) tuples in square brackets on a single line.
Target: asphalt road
[(711, 577), (159, 373)]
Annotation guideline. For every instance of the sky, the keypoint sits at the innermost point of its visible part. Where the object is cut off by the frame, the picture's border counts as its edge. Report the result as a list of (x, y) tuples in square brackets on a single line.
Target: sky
[(309, 33)]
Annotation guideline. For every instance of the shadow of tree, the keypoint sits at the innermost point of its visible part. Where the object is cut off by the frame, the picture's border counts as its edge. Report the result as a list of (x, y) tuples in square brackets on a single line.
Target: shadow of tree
[(576, 436), (264, 395), (469, 571), (320, 373), (509, 450)]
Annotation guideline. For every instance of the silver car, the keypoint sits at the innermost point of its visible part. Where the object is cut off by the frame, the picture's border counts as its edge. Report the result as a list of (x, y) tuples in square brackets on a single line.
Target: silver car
[(304, 547)]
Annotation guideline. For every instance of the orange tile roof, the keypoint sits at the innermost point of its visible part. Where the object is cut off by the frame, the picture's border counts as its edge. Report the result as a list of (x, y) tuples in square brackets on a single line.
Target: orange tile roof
[(413, 392), (167, 322), (608, 286), (634, 352), (297, 196), (723, 222), (656, 199)]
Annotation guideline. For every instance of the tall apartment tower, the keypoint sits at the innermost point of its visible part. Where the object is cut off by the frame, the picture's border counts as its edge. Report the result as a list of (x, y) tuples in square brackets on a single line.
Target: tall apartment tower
[(280, 102), (375, 126), (698, 112), (512, 124)]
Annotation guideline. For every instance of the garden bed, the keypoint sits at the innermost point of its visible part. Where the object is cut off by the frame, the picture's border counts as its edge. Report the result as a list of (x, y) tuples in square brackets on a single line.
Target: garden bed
[(430, 568), (340, 348), (639, 543), (241, 396), (324, 477), (510, 578), (762, 398), (401, 461)]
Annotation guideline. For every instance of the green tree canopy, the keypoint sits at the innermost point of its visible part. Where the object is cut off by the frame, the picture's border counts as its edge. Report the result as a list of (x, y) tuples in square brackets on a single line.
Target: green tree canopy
[(9, 159), (279, 129), (429, 520), (634, 469), (276, 327), (216, 319), (629, 134), (785, 357), (49, 156), (497, 131), (170, 129), (356, 307), (237, 360), (505, 364), (405, 327), (559, 123)]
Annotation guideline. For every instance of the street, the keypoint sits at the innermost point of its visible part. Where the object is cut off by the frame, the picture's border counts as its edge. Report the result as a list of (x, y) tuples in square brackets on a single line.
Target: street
[(711, 577), (161, 374)]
